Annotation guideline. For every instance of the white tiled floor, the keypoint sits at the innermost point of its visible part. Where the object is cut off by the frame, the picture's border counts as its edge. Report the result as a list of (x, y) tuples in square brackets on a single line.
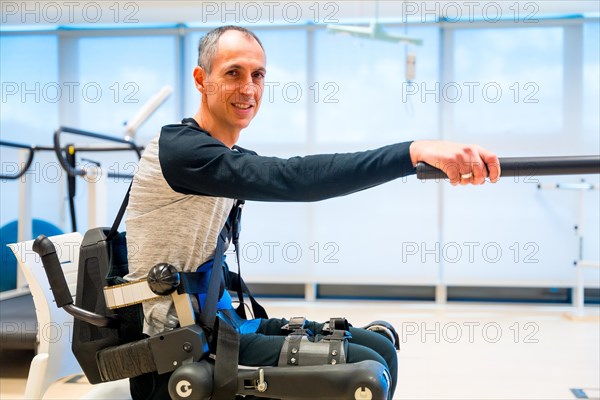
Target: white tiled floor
[(456, 351)]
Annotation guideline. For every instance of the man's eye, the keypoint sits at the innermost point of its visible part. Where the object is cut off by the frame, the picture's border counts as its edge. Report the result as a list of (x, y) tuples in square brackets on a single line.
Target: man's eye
[(259, 75), (232, 73)]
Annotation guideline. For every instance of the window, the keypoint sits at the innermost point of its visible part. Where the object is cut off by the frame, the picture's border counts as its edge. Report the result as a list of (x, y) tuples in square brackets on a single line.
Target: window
[(363, 93), (591, 127), (31, 94), (591, 83), (30, 88), (117, 75), (507, 81)]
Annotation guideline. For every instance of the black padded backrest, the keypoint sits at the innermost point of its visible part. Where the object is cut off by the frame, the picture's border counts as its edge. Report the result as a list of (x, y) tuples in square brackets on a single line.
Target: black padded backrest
[(101, 264), (118, 266)]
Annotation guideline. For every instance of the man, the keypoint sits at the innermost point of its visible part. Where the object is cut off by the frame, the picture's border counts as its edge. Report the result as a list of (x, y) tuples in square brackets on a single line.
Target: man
[(190, 175)]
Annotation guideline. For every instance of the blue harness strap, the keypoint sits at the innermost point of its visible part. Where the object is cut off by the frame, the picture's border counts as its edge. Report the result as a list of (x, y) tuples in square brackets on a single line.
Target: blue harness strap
[(214, 297), (225, 309), (204, 272)]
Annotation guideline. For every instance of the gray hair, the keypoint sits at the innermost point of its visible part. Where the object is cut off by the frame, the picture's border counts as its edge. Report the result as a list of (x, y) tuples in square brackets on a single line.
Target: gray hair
[(207, 49)]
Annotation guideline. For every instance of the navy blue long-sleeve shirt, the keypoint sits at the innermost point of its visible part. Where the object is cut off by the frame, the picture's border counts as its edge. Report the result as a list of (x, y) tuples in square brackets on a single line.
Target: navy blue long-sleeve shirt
[(186, 184)]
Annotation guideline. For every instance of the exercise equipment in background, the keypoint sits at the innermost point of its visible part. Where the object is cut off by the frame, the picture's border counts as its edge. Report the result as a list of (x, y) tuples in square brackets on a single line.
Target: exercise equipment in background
[(91, 171), (19, 324), (580, 264)]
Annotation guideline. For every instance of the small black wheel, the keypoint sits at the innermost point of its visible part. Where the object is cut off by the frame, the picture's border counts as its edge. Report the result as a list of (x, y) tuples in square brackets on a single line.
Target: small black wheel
[(192, 381)]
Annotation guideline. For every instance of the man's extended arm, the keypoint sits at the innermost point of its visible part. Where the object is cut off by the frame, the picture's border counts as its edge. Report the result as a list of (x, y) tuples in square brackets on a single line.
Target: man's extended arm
[(195, 163)]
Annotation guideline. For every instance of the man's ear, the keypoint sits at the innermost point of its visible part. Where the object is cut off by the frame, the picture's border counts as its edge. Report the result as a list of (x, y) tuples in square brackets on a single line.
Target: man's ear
[(199, 78)]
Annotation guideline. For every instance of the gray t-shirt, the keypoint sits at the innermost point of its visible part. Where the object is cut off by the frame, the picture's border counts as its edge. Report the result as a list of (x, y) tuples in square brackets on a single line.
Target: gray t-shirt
[(167, 226)]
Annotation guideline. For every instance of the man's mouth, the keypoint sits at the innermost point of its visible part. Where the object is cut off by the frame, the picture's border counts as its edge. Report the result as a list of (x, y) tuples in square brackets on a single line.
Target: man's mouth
[(242, 106)]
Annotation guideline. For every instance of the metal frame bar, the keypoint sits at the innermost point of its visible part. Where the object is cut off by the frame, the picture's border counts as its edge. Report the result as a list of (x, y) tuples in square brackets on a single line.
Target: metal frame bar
[(172, 29)]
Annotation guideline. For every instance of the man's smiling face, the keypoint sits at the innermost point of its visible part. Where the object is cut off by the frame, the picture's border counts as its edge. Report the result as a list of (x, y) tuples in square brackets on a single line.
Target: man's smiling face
[(233, 89)]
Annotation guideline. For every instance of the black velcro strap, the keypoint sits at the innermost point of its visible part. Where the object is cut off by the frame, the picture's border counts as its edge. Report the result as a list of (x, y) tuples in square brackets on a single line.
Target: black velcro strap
[(337, 343), (257, 309), (125, 361), (335, 324), (235, 218), (294, 324), (209, 313), (339, 323), (233, 282), (195, 283), (115, 226), (213, 294), (335, 351), (226, 363), (293, 350)]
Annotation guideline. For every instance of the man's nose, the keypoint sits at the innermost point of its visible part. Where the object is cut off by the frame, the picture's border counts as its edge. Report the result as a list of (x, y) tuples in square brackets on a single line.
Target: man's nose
[(249, 89)]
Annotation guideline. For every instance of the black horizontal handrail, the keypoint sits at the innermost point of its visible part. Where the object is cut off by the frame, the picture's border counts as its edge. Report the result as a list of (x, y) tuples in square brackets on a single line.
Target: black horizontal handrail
[(73, 171), (27, 163), (528, 167), (32, 149)]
